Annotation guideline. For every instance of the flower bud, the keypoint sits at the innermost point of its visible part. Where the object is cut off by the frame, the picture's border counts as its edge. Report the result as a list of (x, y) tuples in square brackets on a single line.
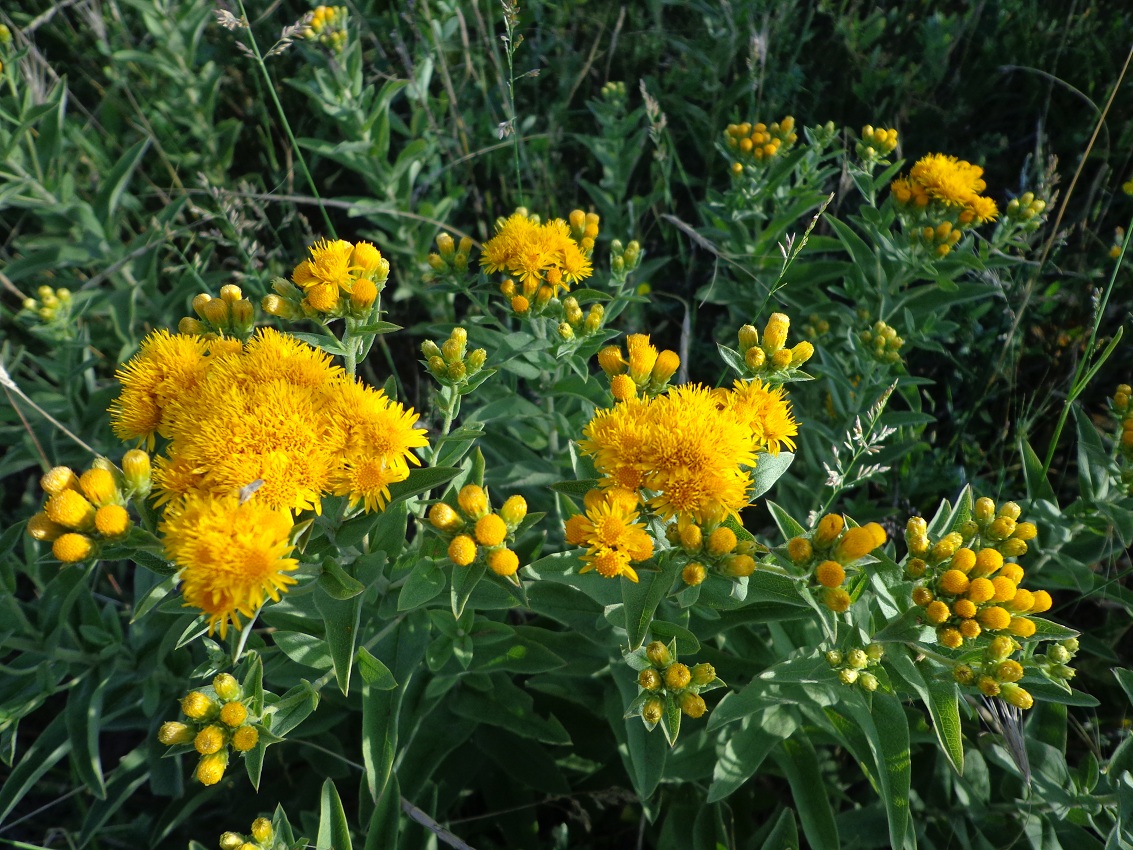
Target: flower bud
[(653, 710), (231, 841), (210, 769), (692, 704), (799, 550), (173, 733), (748, 337), (198, 706), (775, 333), (834, 658), (658, 654), (649, 679), (226, 687), (694, 574), (829, 527), (245, 738), (261, 830), (703, 674), (868, 681), (985, 510)]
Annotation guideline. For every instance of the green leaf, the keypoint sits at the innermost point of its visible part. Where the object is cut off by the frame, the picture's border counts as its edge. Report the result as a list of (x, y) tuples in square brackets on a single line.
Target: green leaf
[(377, 328), (374, 672), (687, 644), (464, 581), (941, 698), (84, 722), (113, 184), (420, 481), (642, 752), (784, 835), (132, 771), (424, 583), (1048, 630), (49, 746), (799, 763), (887, 730), (293, 708), (385, 822), (641, 599), (334, 832), (1038, 487), (740, 753), (788, 526), (336, 583), (1093, 460), (768, 470)]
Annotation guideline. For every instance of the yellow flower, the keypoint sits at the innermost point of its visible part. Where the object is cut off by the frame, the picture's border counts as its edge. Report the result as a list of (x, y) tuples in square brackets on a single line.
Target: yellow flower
[(329, 263), (612, 535), (948, 179), (531, 251), (766, 412), (232, 556), (72, 548)]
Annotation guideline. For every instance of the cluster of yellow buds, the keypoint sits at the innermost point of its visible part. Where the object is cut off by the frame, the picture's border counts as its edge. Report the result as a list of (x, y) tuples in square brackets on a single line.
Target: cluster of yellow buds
[(754, 145), (217, 721), (940, 238), (261, 837), (853, 666), (770, 361), (996, 674), (826, 552), (668, 687), (624, 259), (875, 144), (230, 315), (84, 511), (450, 260), (1122, 408), (328, 27), (451, 363), (338, 279), (50, 305), (711, 546), (584, 229), (1118, 241), (642, 369), (475, 533), (576, 324), (965, 585), (1026, 208), (815, 326), (882, 342), (614, 93)]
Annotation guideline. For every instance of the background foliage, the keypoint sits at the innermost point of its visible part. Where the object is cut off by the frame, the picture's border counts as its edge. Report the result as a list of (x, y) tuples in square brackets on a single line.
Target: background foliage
[(144, 161)]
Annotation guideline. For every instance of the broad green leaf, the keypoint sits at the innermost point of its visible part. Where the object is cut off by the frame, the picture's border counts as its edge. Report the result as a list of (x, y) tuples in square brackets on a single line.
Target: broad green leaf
[(769, 469), (799, 763), (131, 772), (334, 831), (1048, 630), (49, 746), (740, 753), (641, 599), (336, 582), (374, 672), (941, 698), (113, 184), (385, 823), (1038, 487), (788, 526), (785, 834), (292, 708), (642, 752), (425, 582), (421, 480), (887, 730), (464, 581)]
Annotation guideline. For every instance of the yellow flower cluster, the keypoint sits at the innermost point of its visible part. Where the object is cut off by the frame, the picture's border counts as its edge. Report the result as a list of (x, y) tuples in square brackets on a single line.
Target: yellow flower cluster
[(552, 255), (611, 532), (669, 688), (261, 838), (451, 363), (229, 315), (642, 370), (328, 26), (876, 143), (882, 342), (82, 512), (1123, 411), (853, 666), (338, 279), (217, 721), (271, 417), (1026, 207), (754, 145), (771, 360), (710, 546), (825, 553), (474, 532), (690, 450), (965, 585), (940, 197)]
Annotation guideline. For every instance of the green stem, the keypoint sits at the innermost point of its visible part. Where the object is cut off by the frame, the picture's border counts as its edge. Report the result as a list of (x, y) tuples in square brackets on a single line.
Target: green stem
[(1084, 366), (286, 124), (510, 12)]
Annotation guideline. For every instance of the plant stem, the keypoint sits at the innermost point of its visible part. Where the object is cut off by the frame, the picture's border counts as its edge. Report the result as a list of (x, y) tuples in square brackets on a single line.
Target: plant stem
[(286, 124)]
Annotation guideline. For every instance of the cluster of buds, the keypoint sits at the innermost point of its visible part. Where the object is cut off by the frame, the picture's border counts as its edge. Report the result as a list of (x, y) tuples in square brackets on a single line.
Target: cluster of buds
[(853, 665), (875, 144), (218, 718), (50, 305), (230, 315), (328, 27), (1055, 664), (771, 361), (1118, 241), (450, 260), (584, 229), (882, 343), (624, 259), (451, 363), (825, 554), (339, 279), (940, 238), (711, 546), (752, 146), (642, 370), (84, 511), (475, 533), (1027, 209), (614, 93), (668, 687), (996, 674), (261, 837), (965, 585), (815, 326), (576, 324), (1123, 411)]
